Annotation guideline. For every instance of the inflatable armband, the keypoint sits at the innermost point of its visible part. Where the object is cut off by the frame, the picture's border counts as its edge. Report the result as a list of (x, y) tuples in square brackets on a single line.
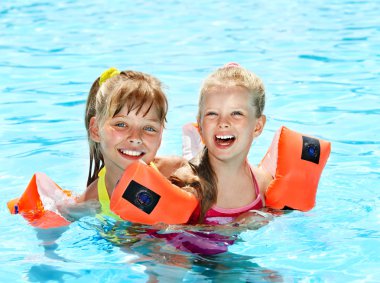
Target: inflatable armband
[(145, 196), (38, 203), (191, 141), (296, 162)]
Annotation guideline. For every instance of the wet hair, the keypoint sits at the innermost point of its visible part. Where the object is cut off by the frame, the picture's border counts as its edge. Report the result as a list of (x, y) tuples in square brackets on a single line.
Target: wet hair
[(231, 75), (131, 88)]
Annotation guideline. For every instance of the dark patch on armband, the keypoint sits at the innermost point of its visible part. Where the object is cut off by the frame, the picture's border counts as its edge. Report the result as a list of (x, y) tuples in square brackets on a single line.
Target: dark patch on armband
[(311, 149), (141, 197)]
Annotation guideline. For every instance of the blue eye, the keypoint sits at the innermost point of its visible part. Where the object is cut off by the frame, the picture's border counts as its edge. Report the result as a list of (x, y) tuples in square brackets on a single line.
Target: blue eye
[(150, 129), (121, 125)]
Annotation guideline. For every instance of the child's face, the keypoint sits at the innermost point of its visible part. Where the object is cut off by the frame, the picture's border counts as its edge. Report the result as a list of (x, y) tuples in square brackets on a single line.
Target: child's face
[(228, 122), (128, 137)]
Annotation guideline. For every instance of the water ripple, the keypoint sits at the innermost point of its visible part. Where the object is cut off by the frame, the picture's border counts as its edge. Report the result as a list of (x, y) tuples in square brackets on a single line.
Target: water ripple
[(71, 103), (326, 59), (319, 61)]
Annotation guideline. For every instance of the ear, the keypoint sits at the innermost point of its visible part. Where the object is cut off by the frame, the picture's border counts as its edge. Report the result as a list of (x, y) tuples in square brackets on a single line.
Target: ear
[(94, 130), (260, 123)]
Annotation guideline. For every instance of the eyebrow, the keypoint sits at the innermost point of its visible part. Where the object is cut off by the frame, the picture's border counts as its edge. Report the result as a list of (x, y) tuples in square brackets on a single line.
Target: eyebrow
[(145, 118), (240, 107)]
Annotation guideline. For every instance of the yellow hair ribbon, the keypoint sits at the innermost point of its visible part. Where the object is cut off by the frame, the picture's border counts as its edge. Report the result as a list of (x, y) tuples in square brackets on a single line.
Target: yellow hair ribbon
[(111, 72)]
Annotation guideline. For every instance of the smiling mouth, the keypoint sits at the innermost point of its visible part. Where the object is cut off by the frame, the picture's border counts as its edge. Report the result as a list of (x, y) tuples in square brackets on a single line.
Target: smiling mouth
[(132, 153), (226, 140)]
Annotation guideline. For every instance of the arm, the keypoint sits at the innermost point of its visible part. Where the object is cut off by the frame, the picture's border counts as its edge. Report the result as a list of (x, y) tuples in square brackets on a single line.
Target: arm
[(91, 193), (85, 204), (167, 165)]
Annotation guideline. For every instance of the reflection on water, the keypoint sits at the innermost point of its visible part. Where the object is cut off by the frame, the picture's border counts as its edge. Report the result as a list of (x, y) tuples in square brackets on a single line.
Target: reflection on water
[(194, 253), (166, 252), (47, 273)]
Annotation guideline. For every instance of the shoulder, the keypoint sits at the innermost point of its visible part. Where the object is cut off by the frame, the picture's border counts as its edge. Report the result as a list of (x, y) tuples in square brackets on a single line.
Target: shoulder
[(263, 178), (91, 192), (167, 165)]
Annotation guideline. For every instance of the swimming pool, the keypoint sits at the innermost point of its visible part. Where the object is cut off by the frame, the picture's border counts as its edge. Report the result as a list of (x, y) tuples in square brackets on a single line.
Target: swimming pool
[(320, 64)]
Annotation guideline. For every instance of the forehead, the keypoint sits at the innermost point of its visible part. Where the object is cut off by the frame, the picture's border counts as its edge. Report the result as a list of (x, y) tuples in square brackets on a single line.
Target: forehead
[(147, 111), (227, 95)]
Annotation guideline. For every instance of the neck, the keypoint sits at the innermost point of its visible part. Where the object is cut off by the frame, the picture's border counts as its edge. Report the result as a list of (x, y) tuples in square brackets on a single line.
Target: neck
[(234, 183), (111, 180), (229, 166)]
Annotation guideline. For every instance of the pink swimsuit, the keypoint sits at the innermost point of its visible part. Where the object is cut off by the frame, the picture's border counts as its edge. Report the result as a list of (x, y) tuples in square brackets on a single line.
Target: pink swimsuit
[(217, 215)]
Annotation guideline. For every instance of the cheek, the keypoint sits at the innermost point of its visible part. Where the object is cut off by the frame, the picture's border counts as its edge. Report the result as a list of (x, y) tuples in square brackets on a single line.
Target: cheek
[(157, 140), (152, 145), (206, 134), (154, 140), (252, 129), (206, 125), (111, 135)]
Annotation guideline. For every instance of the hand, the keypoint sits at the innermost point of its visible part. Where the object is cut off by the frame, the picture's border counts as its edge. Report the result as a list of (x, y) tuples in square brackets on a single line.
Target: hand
[(78, 210), (253, 219)]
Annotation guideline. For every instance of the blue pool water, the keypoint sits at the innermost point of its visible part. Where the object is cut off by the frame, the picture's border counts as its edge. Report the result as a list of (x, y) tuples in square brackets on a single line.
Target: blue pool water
[(320, 62)]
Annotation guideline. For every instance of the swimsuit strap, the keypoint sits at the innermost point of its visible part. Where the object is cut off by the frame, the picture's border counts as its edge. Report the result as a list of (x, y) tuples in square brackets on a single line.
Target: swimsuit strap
[(102, 189), (103, 196), (255, 184), (154, 166)]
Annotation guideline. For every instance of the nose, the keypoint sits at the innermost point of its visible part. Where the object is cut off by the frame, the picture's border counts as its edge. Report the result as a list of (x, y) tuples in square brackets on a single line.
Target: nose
[(223, 123), (134, 138), (135, 141)]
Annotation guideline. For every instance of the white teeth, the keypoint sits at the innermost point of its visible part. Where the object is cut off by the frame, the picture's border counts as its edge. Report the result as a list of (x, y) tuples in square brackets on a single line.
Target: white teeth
[(224, 137), (131, 152)]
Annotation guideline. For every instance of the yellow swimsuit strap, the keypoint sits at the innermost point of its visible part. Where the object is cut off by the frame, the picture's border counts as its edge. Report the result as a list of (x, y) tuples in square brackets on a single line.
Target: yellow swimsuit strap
[(154, 166), (103, 196)]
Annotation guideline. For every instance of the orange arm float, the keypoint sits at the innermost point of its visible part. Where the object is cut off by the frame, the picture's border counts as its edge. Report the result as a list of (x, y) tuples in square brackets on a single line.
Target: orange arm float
[(296, 162), (145, 196), (37, 203)]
